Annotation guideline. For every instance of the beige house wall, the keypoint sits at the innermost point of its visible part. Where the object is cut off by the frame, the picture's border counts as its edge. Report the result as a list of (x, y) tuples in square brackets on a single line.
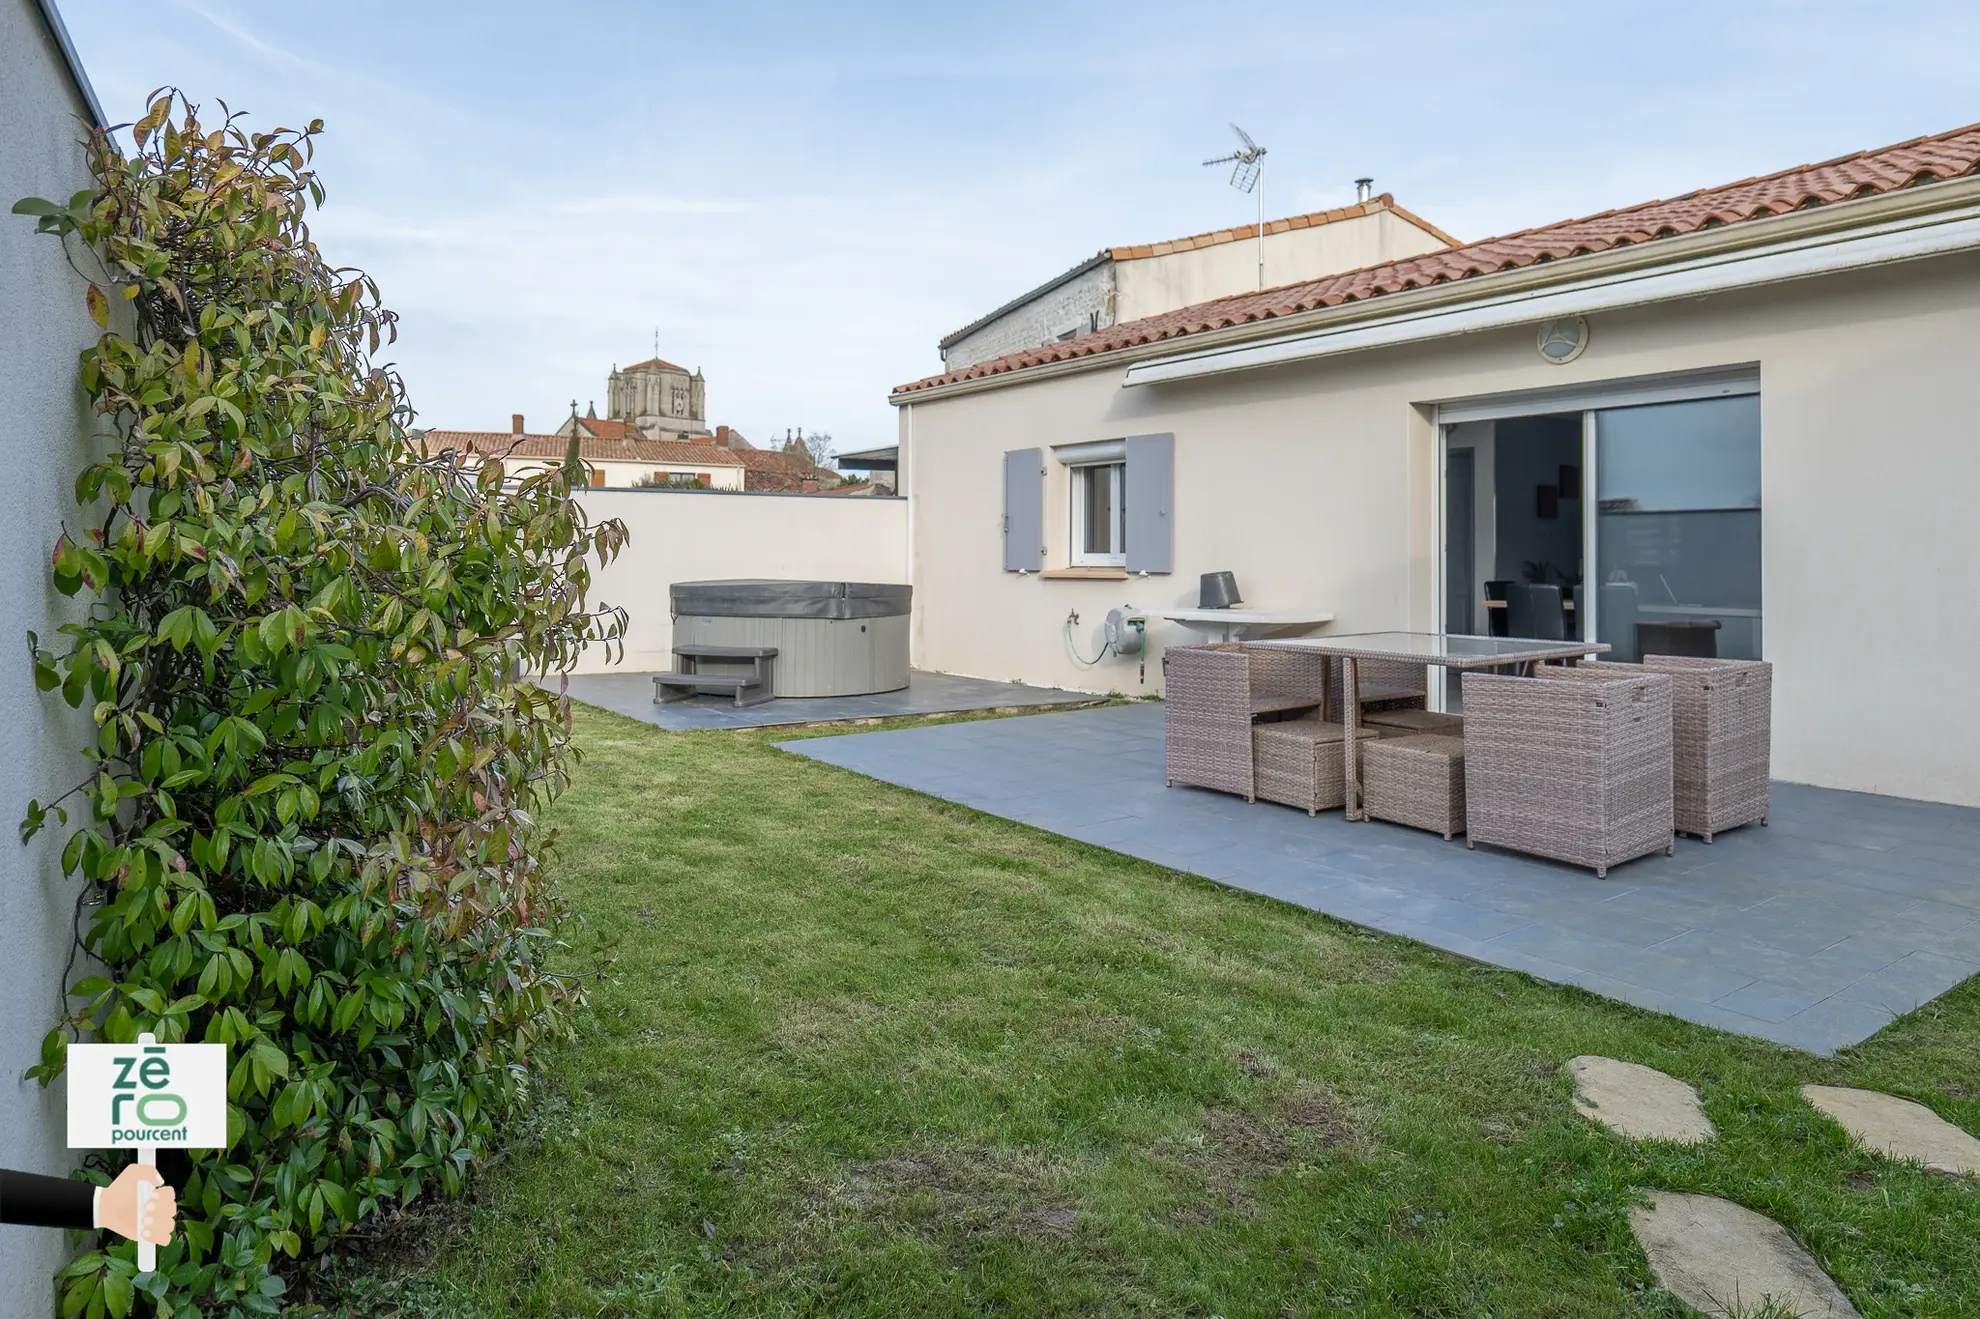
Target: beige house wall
[(696, 535), (1316, 484), (1149, 286)]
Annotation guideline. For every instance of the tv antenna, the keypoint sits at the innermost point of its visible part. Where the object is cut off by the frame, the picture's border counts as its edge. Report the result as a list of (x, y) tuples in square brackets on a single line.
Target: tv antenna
[(1248, 175)]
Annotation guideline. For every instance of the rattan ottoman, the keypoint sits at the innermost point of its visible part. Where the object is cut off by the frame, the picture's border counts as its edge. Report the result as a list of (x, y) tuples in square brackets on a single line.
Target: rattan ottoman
[(1417, 780), (1721, 735), (1298, 762), (1405, 723)]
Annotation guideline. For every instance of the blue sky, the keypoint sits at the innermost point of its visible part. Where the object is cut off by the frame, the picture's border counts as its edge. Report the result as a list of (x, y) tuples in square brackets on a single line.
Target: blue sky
[(802, 198)]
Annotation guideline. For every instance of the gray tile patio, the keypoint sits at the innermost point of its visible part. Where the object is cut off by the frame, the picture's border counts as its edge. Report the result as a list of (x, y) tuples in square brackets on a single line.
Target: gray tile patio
[(1814, 932), (631, 694)]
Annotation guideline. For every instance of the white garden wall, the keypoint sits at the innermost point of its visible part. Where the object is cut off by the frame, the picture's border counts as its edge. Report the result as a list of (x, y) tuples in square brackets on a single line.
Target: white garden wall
[(699, 535)]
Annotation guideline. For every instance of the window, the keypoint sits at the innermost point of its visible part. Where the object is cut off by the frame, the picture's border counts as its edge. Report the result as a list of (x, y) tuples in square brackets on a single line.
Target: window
[(1099, 513)]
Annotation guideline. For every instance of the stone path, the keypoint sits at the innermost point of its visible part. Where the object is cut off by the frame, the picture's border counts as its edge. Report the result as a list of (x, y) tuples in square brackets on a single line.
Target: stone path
[(1714, 1255), (1724, 1260), (1899, 1128), (1640, 1102)]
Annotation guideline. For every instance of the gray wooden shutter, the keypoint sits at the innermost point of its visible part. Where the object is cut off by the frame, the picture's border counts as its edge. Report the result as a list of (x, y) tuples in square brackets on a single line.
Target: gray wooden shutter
[(1151, 495), (1024, 510)]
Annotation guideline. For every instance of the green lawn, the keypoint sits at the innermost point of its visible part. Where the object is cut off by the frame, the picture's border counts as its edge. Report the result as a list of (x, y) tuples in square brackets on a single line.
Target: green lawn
[(860, 1051)]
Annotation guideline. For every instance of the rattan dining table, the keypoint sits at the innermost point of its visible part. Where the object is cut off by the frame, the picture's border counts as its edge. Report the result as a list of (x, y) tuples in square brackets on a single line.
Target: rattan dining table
[(1431, 649)]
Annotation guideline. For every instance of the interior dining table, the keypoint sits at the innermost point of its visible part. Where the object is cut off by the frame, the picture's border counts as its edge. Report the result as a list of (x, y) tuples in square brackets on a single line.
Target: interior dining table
[(1445, 650)]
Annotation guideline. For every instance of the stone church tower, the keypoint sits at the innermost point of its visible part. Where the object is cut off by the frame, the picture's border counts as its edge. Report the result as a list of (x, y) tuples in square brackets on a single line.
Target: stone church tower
[(661, 400)]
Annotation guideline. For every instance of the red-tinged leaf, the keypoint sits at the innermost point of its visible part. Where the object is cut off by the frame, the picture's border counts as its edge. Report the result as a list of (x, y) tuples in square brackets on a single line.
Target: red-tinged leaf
[(99, 306)]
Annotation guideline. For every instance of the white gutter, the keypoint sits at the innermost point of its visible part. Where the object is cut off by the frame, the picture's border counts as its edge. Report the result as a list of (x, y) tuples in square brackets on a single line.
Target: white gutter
[(1904, 239)]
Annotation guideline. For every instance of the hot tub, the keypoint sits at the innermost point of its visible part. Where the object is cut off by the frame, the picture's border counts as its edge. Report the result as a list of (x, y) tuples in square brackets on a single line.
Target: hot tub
[(832, 638)]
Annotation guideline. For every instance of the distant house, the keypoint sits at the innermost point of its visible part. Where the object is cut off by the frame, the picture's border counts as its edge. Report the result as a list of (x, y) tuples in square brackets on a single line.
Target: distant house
[(1121, 284), (614, 459), (786, 471), (880, 465)]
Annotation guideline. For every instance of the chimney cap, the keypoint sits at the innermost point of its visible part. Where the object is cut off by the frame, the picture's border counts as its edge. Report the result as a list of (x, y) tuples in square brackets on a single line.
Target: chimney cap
[(1364, 189)]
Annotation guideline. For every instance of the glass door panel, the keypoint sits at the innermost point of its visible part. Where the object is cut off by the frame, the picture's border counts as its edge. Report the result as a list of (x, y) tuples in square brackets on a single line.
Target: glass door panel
[(1677, 528)]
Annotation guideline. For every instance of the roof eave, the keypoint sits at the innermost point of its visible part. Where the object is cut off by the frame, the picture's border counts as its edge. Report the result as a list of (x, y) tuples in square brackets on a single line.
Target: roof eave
[(1884, 207), (58, 32), (1093, 262)]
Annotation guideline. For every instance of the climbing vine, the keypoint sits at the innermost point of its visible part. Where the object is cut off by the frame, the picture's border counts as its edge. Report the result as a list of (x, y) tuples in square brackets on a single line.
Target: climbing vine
[(311, 825)]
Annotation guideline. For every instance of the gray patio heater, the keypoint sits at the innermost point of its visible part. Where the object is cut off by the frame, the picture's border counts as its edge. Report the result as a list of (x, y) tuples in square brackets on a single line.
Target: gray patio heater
[(1218, 590)]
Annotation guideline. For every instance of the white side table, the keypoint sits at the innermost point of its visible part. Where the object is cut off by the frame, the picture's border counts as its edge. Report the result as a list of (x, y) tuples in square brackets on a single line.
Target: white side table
[(1238, 624)]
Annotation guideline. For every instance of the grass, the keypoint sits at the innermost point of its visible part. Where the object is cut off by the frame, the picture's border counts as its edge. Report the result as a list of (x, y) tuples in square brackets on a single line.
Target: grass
[(856, 1051)]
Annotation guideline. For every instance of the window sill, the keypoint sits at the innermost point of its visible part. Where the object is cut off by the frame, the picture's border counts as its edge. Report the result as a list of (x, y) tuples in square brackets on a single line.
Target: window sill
[(1086, 573)]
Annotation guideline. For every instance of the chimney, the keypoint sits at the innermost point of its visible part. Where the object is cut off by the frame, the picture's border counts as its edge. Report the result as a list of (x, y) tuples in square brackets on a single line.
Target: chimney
[(515, 423), (722, 436), (809, 485), (1364, 189)]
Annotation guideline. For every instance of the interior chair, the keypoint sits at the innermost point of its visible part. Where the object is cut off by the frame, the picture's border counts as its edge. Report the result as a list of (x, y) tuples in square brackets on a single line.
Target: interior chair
[(1536, 611), (1616, 621), (1495, 619)]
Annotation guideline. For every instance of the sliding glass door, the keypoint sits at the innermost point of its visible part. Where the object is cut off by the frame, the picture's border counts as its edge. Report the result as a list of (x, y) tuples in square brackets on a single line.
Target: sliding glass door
[(1677, 528)]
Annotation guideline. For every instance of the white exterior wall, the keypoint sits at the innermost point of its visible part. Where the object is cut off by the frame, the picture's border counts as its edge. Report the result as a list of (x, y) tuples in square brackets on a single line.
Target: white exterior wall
[(43, 424), (1149, 286), (698, 535), (1316, 484)]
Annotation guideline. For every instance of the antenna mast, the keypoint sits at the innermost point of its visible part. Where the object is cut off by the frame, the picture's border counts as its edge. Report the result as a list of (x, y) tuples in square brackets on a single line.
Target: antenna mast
[(1248, 175)]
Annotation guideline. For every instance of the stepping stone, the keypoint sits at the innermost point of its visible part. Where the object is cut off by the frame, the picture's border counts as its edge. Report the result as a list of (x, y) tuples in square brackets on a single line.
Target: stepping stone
[(1726, 1261), (1899, 1128), (1640, 1102)]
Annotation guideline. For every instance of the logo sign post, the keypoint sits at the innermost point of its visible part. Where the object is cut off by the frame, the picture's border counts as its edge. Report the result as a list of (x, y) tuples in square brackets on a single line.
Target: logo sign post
[(144, 1097)]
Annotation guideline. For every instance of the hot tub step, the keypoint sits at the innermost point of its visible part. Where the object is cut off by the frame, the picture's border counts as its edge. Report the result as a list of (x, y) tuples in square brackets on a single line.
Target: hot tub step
[(748, 688)]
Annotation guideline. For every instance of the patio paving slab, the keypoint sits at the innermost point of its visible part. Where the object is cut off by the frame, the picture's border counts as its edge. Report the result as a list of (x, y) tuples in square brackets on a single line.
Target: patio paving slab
[(631, 694), (1815, 933)]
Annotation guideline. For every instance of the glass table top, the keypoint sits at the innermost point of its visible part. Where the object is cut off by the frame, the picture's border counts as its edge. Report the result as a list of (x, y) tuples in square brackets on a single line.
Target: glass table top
[(1451, 650)]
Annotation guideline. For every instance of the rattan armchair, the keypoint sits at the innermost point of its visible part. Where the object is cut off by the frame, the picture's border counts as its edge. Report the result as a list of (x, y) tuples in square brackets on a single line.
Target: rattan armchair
[(1211, 696), (1578, 771), (1721, 736)]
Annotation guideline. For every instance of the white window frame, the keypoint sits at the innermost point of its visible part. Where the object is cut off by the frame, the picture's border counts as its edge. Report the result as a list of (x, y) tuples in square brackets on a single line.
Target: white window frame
[(1116, 475)]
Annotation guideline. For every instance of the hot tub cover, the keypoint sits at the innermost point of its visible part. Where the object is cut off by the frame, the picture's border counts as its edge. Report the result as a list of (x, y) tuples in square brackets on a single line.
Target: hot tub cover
[(762, 597)]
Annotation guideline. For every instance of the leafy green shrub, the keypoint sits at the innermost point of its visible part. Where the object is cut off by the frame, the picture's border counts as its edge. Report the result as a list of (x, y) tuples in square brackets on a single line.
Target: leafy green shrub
[(312, 831)]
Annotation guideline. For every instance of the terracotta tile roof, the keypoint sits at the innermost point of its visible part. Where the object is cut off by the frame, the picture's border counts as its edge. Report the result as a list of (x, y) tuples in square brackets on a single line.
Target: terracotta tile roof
[(1312, 219), (659, 363), (603, 428), (591, 448), (1865, 173)]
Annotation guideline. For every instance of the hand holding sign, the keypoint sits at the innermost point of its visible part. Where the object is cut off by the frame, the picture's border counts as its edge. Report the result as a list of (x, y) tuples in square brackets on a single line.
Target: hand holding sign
[(118, 1209), (142, 1096)]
